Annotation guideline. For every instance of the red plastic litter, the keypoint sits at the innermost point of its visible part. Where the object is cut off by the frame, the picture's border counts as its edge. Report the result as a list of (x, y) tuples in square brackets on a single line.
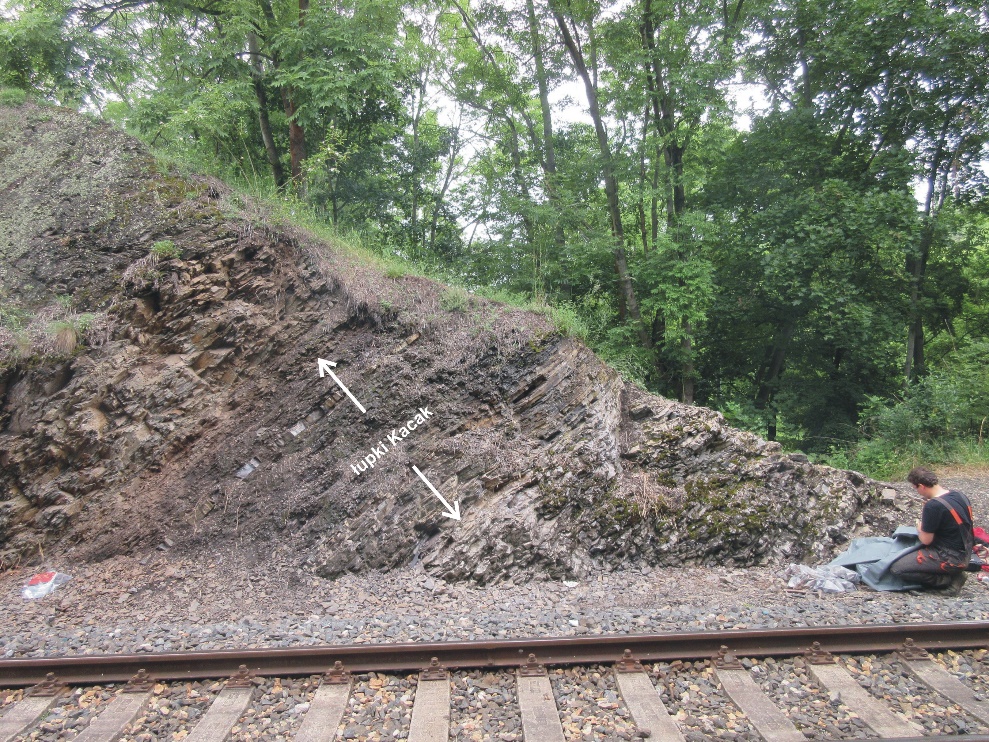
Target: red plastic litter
[(43, 584)]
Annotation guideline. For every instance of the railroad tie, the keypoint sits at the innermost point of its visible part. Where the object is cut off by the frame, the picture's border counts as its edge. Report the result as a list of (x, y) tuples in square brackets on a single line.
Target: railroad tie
[(226, 709), (110, 724), (643, 701), (745, 693), (326, 710), (923, 666), (431, 708), (23, 715), (540, 717), (28, 711), (823, 668)]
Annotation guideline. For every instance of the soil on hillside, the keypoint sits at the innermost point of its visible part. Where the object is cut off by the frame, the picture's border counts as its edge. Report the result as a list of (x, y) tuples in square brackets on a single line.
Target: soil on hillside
[(198, 422)]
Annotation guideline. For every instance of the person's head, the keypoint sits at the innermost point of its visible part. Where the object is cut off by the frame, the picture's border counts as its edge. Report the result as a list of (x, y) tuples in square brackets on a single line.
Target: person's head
[(921, 475), (923, 480)]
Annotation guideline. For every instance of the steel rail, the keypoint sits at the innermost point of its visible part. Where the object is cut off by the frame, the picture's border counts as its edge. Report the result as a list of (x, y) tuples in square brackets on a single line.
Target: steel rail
[(311, 660)]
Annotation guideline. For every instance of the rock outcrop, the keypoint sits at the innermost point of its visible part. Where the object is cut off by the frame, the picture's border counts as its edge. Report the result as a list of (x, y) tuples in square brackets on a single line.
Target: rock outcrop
[(201, 419)]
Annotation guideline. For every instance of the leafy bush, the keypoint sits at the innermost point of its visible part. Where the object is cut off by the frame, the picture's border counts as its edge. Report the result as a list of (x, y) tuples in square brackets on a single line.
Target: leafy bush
[(12, 97), (951, 402), (942, 418), (568, 320)]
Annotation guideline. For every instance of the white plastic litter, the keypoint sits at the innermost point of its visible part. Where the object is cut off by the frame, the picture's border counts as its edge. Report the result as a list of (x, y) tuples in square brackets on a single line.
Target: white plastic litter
[(41, 584), (245, 471), (826, 579)]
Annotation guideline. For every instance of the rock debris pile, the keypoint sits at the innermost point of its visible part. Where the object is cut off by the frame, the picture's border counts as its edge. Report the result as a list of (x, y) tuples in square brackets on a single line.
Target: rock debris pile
[(199, 421)]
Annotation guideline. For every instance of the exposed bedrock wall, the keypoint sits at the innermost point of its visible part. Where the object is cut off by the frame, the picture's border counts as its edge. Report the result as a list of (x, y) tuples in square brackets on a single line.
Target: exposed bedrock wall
[(559, 466)]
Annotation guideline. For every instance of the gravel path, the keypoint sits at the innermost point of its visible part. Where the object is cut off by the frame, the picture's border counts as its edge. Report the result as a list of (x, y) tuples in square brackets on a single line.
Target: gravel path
[(400, 606), (168, 601)]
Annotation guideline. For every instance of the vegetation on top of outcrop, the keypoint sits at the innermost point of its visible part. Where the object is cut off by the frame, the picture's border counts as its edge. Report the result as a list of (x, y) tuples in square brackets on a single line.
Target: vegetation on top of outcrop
[(273, 209)]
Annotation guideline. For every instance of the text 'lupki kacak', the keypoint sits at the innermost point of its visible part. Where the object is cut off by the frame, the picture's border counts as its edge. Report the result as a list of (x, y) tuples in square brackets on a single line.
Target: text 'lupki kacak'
[(393, 439)]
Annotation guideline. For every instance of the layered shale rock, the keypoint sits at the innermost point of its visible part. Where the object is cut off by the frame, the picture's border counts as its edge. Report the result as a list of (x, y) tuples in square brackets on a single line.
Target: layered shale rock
[(200, 419)]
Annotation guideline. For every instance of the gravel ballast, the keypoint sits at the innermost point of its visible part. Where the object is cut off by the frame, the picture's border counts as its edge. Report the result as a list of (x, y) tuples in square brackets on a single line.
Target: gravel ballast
[(172, 712), (483, 706), (811, 709), (695, 699), (400, 607), (379, 708), (167, 601), (971, 668), (590, 705), (72, 714), (888, 680)]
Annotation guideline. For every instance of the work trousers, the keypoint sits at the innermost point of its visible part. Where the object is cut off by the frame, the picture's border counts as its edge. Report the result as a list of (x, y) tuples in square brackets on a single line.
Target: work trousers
[(929, 567)]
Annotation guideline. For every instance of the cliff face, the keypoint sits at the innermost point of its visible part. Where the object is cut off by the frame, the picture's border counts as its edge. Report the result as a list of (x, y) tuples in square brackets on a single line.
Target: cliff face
[(198, 417)]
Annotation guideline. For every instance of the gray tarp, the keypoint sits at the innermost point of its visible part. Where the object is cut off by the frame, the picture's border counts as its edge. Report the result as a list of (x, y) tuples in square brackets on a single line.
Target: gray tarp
[(871, 558)]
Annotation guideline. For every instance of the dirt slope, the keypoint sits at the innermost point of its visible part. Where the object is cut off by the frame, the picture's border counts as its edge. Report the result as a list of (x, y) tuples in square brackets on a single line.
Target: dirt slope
[(118, 446)]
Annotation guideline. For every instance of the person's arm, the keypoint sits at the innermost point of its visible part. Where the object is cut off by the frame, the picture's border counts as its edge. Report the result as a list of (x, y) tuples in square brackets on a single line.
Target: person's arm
[(928, 517), (925, 537)]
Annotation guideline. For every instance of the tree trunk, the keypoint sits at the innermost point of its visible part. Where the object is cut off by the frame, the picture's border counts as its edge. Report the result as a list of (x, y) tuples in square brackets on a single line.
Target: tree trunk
[(769, 383), (416, 189), (654, 204), (447, 182), (664, 119), (296, 138), (917, 264), (296, 134), (257, 75), (687, 369), (549, 149), (916, 269), (519, 174), (627, 291), (641, 206), (416, 186)]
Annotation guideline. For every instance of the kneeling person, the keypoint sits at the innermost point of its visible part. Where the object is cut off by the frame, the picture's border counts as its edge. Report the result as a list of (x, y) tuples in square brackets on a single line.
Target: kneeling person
[(945, 530)]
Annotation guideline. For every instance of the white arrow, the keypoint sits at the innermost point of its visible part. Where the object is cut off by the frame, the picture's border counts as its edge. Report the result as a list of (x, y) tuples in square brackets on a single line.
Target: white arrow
[(324, 368), (452, 512)]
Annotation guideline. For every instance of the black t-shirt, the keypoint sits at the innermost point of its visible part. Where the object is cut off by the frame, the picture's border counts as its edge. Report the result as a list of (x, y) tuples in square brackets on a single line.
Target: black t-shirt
[(948, 533)]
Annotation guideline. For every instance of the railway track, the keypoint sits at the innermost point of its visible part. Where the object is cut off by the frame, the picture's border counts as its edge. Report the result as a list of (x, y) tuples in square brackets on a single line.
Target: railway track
[(851, 682)]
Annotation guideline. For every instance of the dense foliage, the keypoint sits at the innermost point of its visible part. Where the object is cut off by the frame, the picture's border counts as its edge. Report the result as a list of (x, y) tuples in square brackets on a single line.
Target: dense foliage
[(819, 274)]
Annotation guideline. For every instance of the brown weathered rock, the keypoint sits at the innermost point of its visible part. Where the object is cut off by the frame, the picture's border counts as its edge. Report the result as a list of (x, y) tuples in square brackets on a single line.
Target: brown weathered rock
[(558, 465)]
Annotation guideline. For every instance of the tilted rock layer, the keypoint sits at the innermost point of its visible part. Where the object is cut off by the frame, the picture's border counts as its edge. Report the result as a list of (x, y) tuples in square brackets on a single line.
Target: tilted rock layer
[(202, 421)]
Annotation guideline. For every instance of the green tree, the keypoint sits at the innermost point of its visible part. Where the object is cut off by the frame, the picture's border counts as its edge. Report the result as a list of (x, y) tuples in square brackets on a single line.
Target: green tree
[(890, 77), (809, 273), (45, 48)]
